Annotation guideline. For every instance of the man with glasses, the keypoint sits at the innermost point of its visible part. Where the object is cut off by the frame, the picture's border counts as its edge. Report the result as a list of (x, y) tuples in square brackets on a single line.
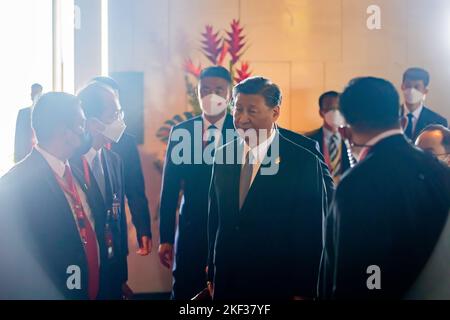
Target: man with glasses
[(436, 140), (103, 177)]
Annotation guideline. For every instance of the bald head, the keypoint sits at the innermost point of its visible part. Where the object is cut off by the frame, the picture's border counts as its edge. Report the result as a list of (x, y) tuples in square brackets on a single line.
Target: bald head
[(436, 140)]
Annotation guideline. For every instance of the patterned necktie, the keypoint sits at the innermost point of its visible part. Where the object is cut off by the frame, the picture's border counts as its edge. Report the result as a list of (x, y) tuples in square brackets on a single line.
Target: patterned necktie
[(409, 132), (245, 178), (335, 155), (99, 176)]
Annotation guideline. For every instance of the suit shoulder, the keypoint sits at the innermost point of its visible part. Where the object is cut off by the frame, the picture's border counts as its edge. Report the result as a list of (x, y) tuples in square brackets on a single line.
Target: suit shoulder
[(186, 124), (299, 139), (297, 150), (436, 116)]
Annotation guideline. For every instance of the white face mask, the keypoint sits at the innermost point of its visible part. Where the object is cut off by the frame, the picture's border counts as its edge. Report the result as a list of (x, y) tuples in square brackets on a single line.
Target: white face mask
[(114, 130), (334, 119), (413, 96), (213, 104)]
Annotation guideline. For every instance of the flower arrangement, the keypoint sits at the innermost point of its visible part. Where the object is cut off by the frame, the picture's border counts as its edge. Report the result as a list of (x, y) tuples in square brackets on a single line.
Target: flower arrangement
[(216, 49)]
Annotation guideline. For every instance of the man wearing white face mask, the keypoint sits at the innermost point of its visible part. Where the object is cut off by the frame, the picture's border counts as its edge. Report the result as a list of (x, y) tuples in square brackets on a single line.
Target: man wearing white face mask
[(330, 141), (103, 175), (415, 89), (192, 179)]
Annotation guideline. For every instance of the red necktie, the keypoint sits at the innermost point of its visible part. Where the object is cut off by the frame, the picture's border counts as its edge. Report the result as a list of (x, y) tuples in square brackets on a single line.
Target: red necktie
[(87, 234)]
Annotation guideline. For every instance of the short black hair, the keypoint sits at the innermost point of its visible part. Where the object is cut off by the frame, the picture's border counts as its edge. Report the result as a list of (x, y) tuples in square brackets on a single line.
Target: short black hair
[(415, 74), (331, 94), (445, 134), (53, 111), (110, 82), (36, 86), (260, 86), (92, 99), (216, 72), (370, 104)]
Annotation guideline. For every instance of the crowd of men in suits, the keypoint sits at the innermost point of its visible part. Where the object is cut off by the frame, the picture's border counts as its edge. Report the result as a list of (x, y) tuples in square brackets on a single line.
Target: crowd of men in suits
[(353, 210)]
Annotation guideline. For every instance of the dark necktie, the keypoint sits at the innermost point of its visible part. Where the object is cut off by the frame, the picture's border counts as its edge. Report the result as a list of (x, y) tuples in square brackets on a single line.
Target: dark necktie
[(409, 128)]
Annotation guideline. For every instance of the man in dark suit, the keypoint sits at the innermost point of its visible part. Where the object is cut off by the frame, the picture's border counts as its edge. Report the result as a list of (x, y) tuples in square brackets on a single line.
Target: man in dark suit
[(266, 206), (389, 210), (58, 251), (137, 201), (417, 116), (192, 177), (332, 146), (24, 136), (103, 174)]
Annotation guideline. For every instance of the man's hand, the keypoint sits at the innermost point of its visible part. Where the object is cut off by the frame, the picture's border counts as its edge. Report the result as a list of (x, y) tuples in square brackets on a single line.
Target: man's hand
[(210, 288), (165, 252), (146, 246)]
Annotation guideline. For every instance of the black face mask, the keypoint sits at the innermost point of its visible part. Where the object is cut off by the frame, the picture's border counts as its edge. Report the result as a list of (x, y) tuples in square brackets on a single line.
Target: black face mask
[(85, 144)]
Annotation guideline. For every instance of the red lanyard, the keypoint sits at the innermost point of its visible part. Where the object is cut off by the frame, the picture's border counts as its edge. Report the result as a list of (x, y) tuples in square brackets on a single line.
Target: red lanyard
[(76, 204)]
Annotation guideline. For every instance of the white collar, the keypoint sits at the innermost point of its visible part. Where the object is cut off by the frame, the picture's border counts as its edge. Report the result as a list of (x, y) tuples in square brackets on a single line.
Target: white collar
[(58, 166), (383, 135), (91, 154), (259, 152), (219, 123)]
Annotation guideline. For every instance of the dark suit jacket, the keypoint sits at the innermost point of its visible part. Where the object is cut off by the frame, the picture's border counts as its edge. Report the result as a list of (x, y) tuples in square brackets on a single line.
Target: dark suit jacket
[(317, 135), (426, 118), (116, 271), (388, 211), (127, 149), (271, 247), (312, 146), (23, 135), (193, 181), (36, 208)]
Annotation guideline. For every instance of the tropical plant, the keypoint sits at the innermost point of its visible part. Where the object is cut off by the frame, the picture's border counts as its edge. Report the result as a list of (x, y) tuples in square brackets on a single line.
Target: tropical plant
[(216, 49)]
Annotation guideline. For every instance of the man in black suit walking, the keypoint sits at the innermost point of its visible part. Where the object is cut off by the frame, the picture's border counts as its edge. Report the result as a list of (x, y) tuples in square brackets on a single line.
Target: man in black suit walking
[(389, 210), (24, 137), (189, 171), (337, 156), (266, 206), (417, 115)]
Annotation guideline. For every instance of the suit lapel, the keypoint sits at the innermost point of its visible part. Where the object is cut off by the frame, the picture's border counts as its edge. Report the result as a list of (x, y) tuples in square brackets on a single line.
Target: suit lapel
[(421, 122)]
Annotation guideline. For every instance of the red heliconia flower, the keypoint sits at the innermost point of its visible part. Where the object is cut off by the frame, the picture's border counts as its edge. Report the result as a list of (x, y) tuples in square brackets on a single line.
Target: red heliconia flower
[(235, 41), (190, 68), (223, 53), (242, 73), (211, 44)]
